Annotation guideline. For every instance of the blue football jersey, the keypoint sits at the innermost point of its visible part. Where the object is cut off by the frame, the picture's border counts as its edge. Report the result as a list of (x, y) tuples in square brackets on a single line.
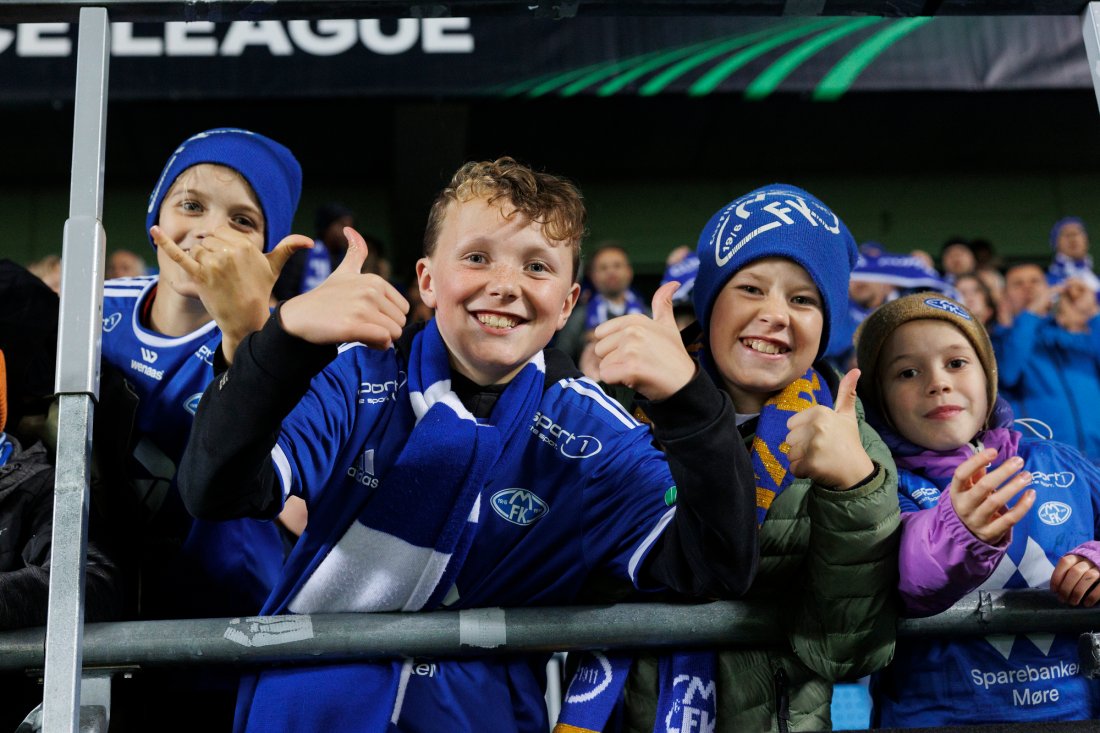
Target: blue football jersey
[(222, 568), (1009, 677), (586, 498)]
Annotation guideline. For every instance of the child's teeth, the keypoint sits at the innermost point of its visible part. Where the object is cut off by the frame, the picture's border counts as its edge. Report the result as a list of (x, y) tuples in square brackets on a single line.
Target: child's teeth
[(763, 346), (494, 321)]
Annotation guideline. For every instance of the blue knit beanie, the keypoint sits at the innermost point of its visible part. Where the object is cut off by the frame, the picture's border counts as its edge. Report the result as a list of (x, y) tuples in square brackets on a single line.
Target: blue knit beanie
[(270, 169), (1057, 228), (778, 220)]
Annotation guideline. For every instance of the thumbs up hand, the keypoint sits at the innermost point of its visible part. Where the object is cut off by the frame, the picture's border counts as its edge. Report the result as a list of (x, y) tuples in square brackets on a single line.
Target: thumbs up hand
[(825, 443), (231, 276), (643, 353), (348, 305)]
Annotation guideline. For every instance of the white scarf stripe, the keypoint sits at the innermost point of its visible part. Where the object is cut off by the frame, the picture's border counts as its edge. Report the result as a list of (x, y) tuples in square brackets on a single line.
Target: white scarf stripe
[(351, 578)]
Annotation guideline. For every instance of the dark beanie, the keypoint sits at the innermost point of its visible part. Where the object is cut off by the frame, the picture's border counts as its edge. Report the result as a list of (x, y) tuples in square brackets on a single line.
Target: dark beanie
[(270, 169), (878, 326), (778, 220), (1057, 228)]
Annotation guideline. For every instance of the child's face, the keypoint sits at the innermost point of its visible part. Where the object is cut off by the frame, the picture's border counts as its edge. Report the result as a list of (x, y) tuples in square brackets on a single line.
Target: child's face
[(933, 385), (765, 330), (611, 273), (203, 198), (499, 287)]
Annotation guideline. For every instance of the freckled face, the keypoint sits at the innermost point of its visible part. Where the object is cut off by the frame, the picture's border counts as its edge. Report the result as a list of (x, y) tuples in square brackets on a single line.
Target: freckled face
[(765, 330), (201, 199), (499, 287)]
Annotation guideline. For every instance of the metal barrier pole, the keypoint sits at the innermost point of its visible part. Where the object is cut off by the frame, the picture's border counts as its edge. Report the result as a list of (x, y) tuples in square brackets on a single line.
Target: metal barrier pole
[(1090, 29), (78, 353)]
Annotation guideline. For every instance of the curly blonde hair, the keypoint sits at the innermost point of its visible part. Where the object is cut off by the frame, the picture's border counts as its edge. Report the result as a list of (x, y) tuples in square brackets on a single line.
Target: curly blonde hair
[(550, 200)]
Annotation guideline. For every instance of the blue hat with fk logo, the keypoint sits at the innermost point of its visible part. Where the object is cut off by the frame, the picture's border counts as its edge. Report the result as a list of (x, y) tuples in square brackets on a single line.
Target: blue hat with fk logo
[(269, 167), (778, 220)]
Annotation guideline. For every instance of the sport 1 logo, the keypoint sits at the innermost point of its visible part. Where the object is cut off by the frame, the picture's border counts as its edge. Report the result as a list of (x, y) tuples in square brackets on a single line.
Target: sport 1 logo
[(109, 322)]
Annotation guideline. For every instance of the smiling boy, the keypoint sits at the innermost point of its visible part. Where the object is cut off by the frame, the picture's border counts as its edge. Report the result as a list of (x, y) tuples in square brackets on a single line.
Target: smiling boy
[(772, 285), (223, 192), (457, 464)]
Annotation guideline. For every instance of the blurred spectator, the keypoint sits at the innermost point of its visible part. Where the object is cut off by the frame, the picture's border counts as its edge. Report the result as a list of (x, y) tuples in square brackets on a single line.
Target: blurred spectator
[(928, 260), (611, 275), (48, 270), (878, 277), (956, 258), (1070, 242), (683, 266), (977, 298), (993, 280), (984, 253), (26, 519), (124, 263), (308, 268), (1049, 356)]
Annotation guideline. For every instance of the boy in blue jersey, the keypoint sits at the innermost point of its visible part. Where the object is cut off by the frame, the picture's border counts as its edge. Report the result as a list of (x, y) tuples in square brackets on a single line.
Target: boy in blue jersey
[(967, 483), (454, 464), (226, 196)]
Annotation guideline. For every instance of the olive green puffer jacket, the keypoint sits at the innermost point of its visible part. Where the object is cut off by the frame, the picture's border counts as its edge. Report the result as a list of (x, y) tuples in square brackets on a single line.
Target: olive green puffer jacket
[(828, 559)]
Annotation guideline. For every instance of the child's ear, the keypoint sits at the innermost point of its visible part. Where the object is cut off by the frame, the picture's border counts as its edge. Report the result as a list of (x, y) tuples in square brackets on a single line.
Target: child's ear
[(425, 282), (570, 303)]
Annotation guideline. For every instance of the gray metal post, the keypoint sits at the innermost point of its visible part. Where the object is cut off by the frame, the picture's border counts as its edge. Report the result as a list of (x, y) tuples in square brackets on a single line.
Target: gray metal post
[(78, 351), (1090, 28)]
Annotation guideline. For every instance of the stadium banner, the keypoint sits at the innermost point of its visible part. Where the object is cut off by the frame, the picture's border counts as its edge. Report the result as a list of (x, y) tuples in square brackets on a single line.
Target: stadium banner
[(824, 58)]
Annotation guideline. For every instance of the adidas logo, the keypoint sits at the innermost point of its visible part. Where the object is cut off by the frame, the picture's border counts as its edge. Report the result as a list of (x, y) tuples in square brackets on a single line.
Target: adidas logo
[(363, 470)]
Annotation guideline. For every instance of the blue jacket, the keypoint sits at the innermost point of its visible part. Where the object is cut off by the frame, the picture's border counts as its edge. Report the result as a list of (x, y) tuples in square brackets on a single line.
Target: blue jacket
[(1025, 677), (220, 568), (1052, 375)]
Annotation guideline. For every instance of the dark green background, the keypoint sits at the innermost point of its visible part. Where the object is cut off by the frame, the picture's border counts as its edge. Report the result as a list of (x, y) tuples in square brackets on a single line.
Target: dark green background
[(907, 170)]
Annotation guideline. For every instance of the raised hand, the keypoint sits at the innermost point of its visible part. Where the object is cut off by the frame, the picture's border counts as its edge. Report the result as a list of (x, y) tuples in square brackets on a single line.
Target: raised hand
[(1075, 581), (980, 499), (232, 277), (348, 305), (643, 353), (825, 444)]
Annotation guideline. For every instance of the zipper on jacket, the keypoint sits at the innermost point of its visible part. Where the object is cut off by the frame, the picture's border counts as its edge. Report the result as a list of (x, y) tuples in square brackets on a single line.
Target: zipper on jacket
[(782, 701)]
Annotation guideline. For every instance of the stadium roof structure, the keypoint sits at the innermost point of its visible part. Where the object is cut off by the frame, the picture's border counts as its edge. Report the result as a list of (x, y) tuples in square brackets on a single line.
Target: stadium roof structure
[(225, 10)]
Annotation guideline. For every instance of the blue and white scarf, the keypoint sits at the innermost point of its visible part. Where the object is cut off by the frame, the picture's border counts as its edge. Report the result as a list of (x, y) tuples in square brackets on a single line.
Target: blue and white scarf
[(411, 536), (599, 309), (1065, 268), (409, 539)]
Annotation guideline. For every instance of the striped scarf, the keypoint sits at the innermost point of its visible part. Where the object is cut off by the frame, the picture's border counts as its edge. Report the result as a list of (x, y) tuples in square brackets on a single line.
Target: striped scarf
[(770, 463)]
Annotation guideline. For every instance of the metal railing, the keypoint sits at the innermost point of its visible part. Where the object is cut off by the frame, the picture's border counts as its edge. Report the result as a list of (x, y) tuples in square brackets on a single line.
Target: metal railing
[(351, 637)]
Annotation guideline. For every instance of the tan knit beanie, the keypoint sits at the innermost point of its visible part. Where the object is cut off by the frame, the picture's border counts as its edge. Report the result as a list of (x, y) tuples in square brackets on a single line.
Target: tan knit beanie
[(873, 332)]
